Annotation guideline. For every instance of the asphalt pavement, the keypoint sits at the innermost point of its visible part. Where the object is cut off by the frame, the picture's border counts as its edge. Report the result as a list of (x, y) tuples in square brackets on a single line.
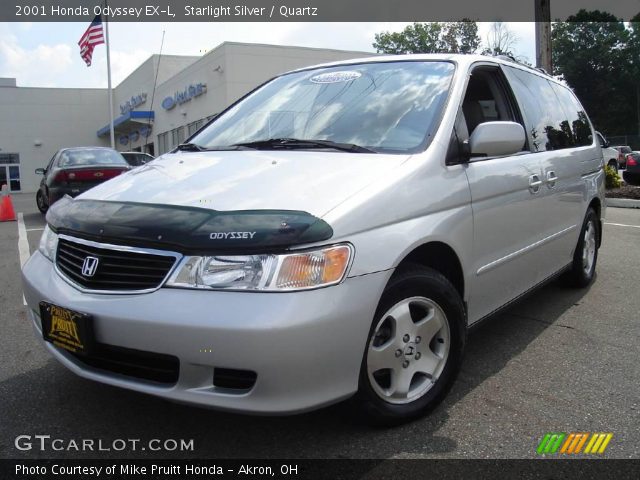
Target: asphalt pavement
[(561, 360)]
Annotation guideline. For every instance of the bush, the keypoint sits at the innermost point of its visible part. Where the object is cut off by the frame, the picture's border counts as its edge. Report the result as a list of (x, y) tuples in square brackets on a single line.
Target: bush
[(612, 179)]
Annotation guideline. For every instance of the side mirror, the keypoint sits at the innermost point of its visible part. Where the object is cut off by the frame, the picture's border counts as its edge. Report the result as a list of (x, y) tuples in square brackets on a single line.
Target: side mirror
[(492, 139), (40, 171)]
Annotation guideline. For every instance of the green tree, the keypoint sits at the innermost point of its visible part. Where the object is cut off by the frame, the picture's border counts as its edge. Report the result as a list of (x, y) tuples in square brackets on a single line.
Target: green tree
[(592, 51), (432, 37)]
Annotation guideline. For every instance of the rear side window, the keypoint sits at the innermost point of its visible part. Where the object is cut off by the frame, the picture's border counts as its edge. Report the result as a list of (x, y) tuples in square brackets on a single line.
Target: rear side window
[(553, 116), (576, 116)]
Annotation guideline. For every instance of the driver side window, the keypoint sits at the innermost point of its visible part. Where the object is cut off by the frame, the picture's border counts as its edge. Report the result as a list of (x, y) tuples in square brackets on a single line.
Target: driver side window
[(485, 99)]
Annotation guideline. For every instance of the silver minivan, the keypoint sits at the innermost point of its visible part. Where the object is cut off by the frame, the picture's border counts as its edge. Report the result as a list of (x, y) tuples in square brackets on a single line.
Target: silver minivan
[(332, 234)]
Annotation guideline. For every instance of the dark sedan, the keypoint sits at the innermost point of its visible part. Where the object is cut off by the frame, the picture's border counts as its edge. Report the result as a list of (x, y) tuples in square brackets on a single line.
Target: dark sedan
[(72, 171), (632, 174)]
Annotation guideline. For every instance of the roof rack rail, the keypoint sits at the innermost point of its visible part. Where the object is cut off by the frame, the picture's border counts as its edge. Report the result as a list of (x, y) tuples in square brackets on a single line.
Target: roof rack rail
[(508, 58)]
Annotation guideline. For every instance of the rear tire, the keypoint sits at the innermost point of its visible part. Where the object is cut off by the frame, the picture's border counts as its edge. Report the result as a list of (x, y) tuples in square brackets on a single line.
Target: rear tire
[(414, 349), (41, 202), (585, 257), (613, 164)]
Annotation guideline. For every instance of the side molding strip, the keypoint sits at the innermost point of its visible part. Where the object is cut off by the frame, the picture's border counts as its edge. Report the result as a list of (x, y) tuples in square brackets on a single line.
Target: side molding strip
[(522, 251)]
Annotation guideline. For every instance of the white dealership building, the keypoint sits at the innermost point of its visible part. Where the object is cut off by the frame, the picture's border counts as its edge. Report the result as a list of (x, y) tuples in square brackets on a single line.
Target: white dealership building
[(36, 122)]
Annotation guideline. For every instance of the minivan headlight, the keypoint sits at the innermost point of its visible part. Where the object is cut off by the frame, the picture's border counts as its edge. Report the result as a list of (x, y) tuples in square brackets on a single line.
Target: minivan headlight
[(48, 243), (287, 272)]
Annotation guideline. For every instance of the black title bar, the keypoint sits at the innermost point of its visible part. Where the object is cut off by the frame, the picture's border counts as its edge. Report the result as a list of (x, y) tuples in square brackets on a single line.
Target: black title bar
[(299, 10), (343, 469)]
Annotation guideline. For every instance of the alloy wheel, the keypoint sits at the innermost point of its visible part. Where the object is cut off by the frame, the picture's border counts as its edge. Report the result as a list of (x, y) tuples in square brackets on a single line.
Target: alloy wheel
[(408, 350)]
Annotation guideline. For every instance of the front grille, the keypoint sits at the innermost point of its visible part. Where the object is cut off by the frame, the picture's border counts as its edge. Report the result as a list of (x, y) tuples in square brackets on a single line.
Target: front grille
[(154, 367), (116, 270)]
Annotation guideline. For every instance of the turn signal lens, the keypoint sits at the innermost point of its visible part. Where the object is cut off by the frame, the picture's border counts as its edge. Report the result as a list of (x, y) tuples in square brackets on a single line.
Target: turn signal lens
[(314, 268)]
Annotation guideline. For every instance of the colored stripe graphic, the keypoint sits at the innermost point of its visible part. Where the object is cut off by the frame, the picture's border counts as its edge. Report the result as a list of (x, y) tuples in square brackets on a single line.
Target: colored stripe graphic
[(572, 443), (598, 443), (550, 443)]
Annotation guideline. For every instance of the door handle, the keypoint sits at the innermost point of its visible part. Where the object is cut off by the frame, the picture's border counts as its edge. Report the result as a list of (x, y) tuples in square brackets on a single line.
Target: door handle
[(534, 184), (551, 179)]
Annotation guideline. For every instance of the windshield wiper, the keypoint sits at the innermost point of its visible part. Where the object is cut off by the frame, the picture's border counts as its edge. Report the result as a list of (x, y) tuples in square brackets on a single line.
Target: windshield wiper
[(192, 147), (273, 143)]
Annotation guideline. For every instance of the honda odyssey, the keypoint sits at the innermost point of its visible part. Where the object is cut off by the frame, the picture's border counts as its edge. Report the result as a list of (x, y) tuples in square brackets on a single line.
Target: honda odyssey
[(332, 234)]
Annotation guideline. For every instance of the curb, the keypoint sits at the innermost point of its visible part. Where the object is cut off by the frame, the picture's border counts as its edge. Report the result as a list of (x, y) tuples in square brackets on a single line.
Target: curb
[(622, 202)]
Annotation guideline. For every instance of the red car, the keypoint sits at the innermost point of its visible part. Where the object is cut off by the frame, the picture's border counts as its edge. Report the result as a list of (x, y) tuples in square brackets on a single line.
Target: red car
[(623, 151), (632, 174), (72, 171)]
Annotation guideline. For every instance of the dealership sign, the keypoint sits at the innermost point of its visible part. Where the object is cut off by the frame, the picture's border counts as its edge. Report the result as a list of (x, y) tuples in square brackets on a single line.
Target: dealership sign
[(182, 96), (133, 102), (136, 135)]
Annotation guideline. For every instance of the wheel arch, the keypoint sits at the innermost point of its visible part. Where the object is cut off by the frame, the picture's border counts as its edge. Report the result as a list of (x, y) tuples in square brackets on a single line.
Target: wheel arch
[(596, 204), (440, 257)]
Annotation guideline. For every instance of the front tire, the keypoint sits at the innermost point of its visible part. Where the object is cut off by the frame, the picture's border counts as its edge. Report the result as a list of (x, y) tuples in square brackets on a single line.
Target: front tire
[(585, 257), (613, 164), (414, 348), (41, 202)]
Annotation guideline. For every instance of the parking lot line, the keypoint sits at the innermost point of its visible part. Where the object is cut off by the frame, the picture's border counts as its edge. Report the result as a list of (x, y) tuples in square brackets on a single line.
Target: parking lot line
[(35, 229), (622, 225), (23, 245)]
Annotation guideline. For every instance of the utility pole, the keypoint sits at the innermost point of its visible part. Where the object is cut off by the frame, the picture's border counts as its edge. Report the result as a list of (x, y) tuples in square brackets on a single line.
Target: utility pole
[(543, 34)]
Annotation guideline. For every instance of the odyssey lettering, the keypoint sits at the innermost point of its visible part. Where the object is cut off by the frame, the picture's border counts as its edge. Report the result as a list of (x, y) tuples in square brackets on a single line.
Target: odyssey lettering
[(231, 235)]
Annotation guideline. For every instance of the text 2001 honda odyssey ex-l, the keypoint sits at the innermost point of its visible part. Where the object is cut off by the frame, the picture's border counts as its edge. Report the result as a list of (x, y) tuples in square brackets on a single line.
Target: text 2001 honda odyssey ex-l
[(331, 234)]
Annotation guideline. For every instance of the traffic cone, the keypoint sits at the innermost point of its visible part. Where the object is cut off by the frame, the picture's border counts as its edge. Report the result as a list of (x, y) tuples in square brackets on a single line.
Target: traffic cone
[(7, 213)]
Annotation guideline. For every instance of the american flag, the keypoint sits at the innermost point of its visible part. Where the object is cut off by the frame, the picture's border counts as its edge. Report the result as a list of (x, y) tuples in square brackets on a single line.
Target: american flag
[(92, 37)]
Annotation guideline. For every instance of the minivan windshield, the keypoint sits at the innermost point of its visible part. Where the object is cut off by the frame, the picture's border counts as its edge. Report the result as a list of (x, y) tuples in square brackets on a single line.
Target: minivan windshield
[(389, 107)]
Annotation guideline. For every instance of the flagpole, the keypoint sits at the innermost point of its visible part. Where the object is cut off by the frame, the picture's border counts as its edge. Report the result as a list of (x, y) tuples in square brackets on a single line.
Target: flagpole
[(113, 138)]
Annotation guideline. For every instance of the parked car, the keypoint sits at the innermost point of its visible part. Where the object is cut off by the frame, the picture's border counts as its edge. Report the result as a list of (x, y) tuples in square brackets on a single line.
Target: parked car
[(135, 159), (623, 151), (332, 234), (609, 154), (632, 174), (72, 171)]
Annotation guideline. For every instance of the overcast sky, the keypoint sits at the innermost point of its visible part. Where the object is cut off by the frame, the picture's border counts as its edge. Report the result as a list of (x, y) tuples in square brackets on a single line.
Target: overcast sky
[(47, 54)]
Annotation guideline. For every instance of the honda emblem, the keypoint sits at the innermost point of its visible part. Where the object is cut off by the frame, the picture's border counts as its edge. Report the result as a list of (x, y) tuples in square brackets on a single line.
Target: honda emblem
[(89, 266)]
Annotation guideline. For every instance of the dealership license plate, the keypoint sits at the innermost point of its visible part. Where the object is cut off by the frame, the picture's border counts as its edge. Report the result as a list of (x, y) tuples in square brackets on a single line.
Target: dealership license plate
[(66, 328)]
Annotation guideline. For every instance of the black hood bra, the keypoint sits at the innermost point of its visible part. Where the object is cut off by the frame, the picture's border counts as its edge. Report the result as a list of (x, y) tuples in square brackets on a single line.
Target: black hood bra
[(189, 230)]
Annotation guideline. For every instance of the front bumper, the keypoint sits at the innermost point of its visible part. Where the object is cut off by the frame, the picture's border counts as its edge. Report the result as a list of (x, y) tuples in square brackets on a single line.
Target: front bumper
[(306, 347)]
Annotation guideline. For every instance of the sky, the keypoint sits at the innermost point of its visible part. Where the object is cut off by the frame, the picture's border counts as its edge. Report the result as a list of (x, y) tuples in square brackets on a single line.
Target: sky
[(47, 54)]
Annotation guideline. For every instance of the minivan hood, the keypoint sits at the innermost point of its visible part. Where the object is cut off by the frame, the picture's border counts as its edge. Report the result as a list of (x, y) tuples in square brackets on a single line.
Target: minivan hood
[(313, 182)]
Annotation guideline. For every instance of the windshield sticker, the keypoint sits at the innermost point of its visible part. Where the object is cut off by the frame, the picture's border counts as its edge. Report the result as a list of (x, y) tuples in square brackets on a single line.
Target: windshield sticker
[(336, 77)]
